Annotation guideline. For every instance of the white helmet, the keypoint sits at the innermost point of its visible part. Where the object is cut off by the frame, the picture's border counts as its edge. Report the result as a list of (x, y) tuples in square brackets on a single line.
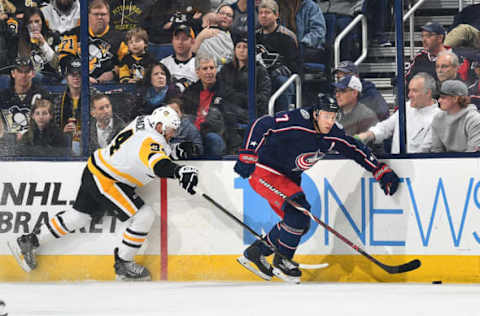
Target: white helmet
[(167, 116)]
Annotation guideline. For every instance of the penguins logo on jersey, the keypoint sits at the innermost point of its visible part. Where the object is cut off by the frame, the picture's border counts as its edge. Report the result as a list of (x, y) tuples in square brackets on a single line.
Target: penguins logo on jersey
[(99, 52), (265, 58), (16, 118), (306, 161)]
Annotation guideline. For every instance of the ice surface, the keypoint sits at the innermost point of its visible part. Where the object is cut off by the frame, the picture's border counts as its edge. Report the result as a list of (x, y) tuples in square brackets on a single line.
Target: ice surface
[(229, 299)]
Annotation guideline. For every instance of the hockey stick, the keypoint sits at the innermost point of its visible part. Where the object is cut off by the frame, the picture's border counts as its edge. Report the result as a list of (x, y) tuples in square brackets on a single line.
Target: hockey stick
[(409, 266), (258, 236)]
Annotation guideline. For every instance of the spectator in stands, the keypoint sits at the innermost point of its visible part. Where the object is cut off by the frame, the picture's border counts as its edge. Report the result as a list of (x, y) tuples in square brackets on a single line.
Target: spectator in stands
[(204, 102), (433, 35), (105, 124), (6, 8), (356, 117), (463, 36), (126, 16), (240, 18), (278, 51), (68, 104), (187, 132), (474, 85), (154, 90), (165, 16), (182, 63), (234, 76), (43, 137), (17, 101), (446, 66), (377, 13), (420, 110), (338, 15), (106, 46), (132, 67), (468, 15), (62, 15), (457, 127), (36, 41), (216, 40), (305, 19), (370, 96)]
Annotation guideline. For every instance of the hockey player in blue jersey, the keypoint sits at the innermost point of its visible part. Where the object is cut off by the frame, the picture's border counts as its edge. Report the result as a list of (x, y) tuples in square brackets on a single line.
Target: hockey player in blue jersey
[(277, 149)]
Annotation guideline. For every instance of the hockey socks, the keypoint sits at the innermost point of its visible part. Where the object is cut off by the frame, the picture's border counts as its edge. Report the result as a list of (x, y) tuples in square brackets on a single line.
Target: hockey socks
[(136, 233)]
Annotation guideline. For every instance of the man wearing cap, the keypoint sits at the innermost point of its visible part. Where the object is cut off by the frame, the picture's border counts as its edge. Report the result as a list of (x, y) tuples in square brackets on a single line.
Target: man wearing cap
[(182, 63), (370, 95), (433, 35), (457, 127), (16, 101), (420, 110), (356, 117), (68, 113)]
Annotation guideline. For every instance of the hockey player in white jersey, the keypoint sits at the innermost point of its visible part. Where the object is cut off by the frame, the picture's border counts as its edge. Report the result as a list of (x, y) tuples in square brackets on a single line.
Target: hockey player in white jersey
[(137, 154)]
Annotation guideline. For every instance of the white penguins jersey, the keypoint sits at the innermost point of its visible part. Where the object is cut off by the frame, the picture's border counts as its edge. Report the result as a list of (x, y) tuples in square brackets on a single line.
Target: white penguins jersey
[(132, 154)]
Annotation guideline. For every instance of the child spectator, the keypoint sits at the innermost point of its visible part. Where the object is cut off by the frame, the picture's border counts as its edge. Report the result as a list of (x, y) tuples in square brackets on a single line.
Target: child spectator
[(43, 137), (132, 67)]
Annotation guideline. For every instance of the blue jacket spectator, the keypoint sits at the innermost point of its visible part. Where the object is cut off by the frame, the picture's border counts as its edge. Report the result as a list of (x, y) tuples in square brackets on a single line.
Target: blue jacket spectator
[(311, 28), (369, 96)]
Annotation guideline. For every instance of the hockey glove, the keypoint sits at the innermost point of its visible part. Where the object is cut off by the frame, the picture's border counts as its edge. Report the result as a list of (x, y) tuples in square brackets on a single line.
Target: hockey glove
[(182, 150), (188, 178), (245, 165), (387, 177)]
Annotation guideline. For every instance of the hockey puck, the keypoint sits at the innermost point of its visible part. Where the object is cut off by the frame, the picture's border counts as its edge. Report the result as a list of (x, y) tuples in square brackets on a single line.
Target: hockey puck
[(437, 282)]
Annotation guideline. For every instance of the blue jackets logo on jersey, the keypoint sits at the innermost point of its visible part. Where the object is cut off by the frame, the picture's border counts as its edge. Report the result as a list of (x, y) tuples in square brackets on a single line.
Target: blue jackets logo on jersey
[(307, 160)]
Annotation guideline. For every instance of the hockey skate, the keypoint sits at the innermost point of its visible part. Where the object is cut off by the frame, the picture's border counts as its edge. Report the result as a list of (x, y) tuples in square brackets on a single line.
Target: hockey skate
[(130, 270), (254, 261), (23, 250), (286, 269)]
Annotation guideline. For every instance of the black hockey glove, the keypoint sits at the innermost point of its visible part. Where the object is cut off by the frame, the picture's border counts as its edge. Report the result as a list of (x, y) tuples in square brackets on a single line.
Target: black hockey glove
[(245, 165), (387, 177), (188, 178), (184, 150)]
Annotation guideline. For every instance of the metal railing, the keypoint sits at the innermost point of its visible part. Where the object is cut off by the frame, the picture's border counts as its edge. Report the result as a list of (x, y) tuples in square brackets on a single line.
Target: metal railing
[(410, 15), (336, 46), (284, 86)]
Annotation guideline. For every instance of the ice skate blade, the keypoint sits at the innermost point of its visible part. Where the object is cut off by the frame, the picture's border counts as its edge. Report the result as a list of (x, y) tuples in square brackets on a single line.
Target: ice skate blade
[(251, 267), (17, 254), (127, 279), (289, 279)]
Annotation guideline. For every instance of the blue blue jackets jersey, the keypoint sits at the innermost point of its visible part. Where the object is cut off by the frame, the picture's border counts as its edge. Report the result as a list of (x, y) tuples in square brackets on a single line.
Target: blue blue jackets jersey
[(289, 143)]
